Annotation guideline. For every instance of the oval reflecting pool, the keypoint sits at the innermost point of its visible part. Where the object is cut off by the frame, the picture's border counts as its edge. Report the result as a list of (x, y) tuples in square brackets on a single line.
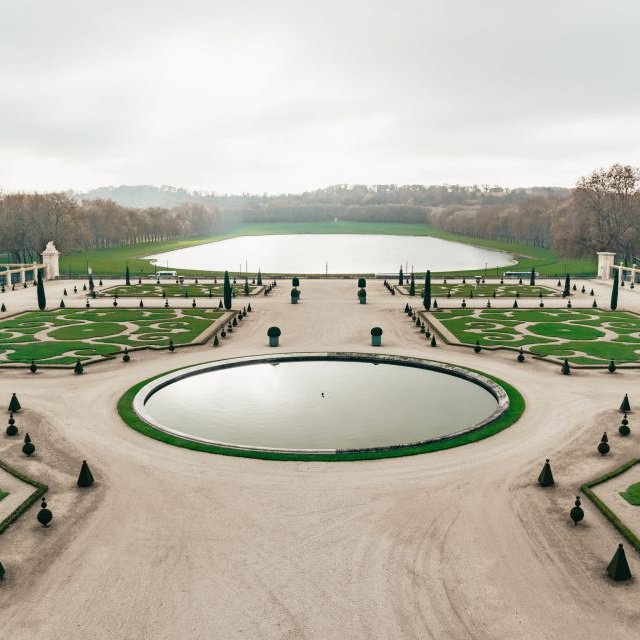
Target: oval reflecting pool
[(332, 253), (319, 402)]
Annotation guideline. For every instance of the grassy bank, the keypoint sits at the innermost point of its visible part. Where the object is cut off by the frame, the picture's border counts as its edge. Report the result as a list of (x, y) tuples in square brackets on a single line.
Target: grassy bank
[(112, 261)]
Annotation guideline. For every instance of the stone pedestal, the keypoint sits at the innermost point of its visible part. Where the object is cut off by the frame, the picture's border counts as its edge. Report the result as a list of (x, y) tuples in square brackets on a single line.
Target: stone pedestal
[(605, 264), (50, 259)]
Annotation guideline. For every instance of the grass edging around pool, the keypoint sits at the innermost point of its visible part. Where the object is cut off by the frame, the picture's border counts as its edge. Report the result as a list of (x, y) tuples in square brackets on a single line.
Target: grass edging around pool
[(605, 510), (507, 418), (41, 489)]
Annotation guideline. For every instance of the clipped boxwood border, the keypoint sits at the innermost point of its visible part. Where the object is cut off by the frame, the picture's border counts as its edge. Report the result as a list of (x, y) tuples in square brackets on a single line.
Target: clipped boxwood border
[(41, 489), (510, 416), (605, 510)]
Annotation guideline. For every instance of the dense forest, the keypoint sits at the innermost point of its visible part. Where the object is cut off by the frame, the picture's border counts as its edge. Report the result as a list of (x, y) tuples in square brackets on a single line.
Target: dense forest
[(29, 221), (602, 212)]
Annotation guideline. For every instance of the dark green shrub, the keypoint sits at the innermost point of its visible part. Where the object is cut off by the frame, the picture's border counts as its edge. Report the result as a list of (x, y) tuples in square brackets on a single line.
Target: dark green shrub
[(14, 404), (44, 515), (85, 477), (566, 369), (362, 283), (78, 369), (545, 479), (274, 332), (295, 282), (376, 331)]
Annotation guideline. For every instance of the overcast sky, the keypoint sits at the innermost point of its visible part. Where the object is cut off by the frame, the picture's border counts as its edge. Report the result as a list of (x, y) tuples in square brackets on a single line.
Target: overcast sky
[(287, 95)]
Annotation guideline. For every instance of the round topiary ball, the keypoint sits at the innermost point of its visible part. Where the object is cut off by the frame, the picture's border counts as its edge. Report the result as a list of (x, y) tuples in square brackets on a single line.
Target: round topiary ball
[(624, 430), (28, 448), (44, 515), (603, 448), (33, 367)]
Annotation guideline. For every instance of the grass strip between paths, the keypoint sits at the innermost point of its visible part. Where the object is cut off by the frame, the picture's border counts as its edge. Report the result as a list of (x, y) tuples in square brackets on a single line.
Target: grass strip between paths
[(40, 490)]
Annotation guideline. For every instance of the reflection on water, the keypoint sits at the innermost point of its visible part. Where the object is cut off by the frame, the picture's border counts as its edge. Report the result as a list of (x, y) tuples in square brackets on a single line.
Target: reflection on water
[(320, 404), (339, 253)]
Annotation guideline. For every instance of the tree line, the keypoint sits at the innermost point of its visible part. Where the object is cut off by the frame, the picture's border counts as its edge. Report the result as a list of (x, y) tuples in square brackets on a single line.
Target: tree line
[(29, 220)]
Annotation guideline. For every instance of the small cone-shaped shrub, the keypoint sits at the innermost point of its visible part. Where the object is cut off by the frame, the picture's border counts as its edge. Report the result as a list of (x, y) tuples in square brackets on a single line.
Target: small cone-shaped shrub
[(515, 304), (216, 342), (477, 348), (594, 305), (417, 321), (100, 282), (576, 513), (87, 306), (545, 479), (625, 407), (517, 294), (33, 367), (141, 304), (78, 368), (433, 341), (62, 304), (166, 304), (85, 478), (196, 281), (64, 292), (84, 287), (220, 304), (223, 333), (435, 304), (603, 446), (14, 404), (28, 447), (612, 367), (249, 308), (493, 295), (520, 357), (235, 322), (115, 302), (125, 356), (520, 281), (44, 515), (574, 288), (210, 293), (464, 281), (566, 369), (591, 293), (464, 303), (406, 307), (193, 304), (568, 304), (618, 568), (558, 284), (3, 308), (229, 328), (172, 347), (2, 571), (488, 304), (471, 293), (448, 293), (583, 290)]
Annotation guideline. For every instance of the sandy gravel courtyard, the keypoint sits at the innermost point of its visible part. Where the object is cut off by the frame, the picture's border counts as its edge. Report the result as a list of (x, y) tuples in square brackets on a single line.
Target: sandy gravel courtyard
[(172, 544)]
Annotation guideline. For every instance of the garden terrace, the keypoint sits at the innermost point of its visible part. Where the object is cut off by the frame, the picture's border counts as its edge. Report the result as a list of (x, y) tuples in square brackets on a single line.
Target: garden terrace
[(61, 337), (584, 337), (469, 290), (171, 290)]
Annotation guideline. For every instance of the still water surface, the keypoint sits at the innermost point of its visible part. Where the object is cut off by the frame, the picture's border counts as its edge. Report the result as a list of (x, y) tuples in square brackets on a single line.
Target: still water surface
[(282, 405), (337, 253)]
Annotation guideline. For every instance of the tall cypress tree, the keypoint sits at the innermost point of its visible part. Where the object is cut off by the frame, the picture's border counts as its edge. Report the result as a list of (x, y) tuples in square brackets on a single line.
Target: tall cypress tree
[(42, 301), (412, 285), (567, 286), (400, 277), (226, 295), (91, 284), (614, 291), (532, 280), (127, 276), (426, 300), (259, 281), (246, 286)]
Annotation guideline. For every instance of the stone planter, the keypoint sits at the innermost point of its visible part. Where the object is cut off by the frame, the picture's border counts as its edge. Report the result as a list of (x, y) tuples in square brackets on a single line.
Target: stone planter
[(294, 299), (274, 341), (376, 341)]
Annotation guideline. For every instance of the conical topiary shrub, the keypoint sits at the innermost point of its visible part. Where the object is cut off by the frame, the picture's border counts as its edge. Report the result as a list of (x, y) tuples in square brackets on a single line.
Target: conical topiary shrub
[(28, 447), (545, 479), (603, 446), (576, 513), (433, 341), (62, 304), (625, 407), (44, 515), (249, 308), (566, 369), (14, 404), (618, 568), (172, 346), (85, 478), (33, 367), (78, 369), (612, 366), (515, 304), (3, 308), (2, 571), (216, 341), (520, 357)]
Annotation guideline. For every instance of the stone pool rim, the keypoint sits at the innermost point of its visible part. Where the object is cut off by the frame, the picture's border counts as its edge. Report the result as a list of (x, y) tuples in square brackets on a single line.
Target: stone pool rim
[(510, 406)]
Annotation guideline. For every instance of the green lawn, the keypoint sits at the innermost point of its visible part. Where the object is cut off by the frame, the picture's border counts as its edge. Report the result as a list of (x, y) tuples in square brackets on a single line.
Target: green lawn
[(66, 335), (111, 262), (171, 290), (582, 336), (459, 290), (632, 494), (3, 494)]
